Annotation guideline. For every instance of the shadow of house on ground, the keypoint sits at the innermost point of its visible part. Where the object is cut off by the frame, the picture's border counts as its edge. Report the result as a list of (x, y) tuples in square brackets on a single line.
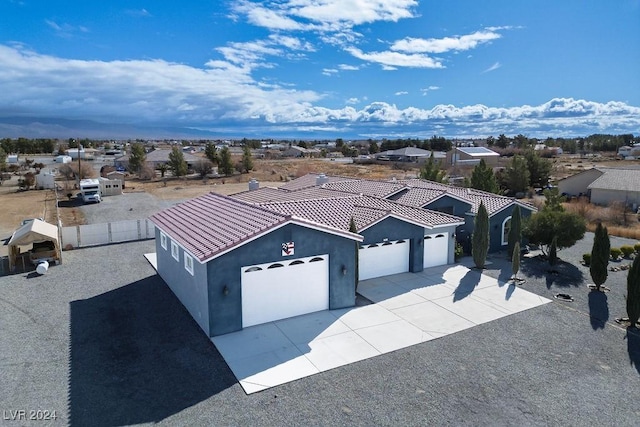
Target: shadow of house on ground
[(633, 347), (467, 284), (598, 309), (562, 275), (137, 357)]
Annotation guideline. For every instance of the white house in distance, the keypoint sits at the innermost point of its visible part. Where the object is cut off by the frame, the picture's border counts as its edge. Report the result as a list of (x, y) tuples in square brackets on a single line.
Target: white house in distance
[(473, 155), (629, 152)]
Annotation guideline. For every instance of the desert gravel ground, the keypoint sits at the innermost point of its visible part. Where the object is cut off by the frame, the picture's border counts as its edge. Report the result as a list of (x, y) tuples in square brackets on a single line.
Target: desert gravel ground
[(102, 341)]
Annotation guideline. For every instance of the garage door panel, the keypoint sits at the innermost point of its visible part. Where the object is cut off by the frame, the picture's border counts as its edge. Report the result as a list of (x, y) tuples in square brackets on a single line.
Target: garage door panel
[(383, 259), (436, 249), (284, 289)]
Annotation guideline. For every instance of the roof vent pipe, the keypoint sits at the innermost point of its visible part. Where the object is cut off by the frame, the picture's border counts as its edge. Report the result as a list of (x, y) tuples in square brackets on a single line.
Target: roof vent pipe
[(253, 184), (321, 179)]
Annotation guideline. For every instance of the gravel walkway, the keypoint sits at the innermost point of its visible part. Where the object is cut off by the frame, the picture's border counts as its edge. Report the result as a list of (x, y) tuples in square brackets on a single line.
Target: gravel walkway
[(101, 340)]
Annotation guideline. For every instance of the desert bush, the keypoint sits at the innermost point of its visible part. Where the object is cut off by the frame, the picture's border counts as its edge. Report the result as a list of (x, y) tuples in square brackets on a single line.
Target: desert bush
[(627, 250), (615, 253), (586, 258), (636, 247), (147, 171)]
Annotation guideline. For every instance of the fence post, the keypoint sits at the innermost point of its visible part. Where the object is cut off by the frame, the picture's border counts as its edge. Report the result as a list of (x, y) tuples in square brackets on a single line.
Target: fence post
[(139, 231), (109, 236), (78, 235)]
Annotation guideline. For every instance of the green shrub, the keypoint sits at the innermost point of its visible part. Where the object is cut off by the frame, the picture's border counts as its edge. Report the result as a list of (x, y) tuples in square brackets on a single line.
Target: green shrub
[(637, 247), (627, 250), (459, 252), (615, 253), (587, 259)]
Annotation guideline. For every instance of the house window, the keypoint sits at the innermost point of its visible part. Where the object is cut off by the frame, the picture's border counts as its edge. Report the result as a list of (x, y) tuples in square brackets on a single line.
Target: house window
[(163, 241), (188, 263), (506, 227), (175, 252)]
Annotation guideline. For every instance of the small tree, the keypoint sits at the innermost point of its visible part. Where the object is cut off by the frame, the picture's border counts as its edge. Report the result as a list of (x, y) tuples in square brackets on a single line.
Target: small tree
[(137, 157), (543, 226), (163, 168), (515, 261), (203, 168), (633, 292), (600, 254), (480, 238), (211, 152), (482, 178), (176, 163), (516, 175), (515, 230), (225, 165), (247, 162), (431, 171), (3, 160)]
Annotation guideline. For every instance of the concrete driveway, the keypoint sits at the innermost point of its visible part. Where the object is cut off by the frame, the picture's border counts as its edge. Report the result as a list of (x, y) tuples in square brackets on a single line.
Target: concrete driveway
[(407, 309)]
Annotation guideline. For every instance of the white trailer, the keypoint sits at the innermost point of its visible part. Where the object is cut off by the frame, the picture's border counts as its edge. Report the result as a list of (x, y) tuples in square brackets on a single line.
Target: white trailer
[(90, 189)]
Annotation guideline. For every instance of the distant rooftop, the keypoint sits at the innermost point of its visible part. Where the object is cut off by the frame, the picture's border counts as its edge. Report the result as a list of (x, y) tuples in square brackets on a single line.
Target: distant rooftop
[(477, 151)]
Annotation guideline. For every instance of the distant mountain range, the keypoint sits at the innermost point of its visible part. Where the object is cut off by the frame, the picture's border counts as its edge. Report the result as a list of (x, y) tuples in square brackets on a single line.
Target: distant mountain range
[(48, 127)]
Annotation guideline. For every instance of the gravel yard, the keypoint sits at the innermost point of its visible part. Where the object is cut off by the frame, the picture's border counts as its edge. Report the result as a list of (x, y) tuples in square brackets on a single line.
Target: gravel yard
[(102, 341)]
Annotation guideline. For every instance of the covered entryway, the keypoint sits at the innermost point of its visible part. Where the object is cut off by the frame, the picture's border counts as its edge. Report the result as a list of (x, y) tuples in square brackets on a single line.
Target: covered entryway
[(436, 249), (383, 259), (284, 289)]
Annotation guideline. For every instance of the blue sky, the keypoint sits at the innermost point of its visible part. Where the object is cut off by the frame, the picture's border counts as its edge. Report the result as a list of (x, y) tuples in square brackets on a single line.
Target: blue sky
[(319, 68)]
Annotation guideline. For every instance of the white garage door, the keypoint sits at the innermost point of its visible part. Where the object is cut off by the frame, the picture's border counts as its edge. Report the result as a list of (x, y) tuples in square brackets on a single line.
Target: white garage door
[(383, 259), (284, 289), (436, 249)]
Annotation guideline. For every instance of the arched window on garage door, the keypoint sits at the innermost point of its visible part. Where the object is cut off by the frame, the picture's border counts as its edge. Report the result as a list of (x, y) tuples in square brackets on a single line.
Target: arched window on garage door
[(277, 265)]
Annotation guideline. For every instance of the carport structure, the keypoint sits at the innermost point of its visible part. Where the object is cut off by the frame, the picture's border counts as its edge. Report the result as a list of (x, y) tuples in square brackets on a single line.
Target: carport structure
[(34, 232)]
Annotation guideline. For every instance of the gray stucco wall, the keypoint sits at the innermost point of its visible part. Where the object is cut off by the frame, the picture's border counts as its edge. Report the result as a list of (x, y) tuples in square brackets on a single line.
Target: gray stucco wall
[(495, 227), (460, 208), (578, 183), (394, 229), (607, 197), (226, 310), (190, 290)]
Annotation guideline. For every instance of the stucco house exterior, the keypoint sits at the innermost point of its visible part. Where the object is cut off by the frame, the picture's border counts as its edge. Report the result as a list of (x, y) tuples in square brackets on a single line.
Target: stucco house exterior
[(604, 185), (473, 155), (411, 154), (269, 254)]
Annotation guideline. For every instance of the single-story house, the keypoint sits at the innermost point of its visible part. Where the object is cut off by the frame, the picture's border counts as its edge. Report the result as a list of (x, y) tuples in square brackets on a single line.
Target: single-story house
[(296, 151), (411, 154), (604, 185), (629, 152), (157, 157), (269, 254), (473, 155), (418, 193)]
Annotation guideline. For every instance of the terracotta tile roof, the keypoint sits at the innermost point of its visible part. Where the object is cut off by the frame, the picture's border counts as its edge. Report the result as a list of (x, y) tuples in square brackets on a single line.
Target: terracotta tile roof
[(493, 202), (309, 180), (214, 223), (367, 187), (267, 194), (419, 197)]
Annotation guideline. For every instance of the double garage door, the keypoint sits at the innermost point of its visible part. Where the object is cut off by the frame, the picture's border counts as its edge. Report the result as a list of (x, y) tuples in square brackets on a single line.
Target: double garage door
[(284, 289)]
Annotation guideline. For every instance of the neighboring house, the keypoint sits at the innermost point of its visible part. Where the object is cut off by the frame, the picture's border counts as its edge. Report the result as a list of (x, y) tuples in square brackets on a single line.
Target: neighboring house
[(604, 185), (269, 254), (473, 155), (296, 151), (629, 153), (411, 154)]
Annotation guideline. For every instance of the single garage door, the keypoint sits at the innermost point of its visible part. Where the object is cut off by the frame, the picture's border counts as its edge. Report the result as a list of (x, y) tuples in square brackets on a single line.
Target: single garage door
[(284, 289), (383, 259), (436, 249)]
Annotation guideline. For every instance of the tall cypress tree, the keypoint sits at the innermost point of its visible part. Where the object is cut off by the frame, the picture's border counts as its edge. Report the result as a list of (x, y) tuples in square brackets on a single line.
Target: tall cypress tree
[(633, 292), (600, 256), (515, 262), (480, 238), (515, 232)]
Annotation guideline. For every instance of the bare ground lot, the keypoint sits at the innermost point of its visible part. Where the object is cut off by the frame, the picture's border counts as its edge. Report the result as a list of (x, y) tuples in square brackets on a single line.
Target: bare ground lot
[(113, 346)]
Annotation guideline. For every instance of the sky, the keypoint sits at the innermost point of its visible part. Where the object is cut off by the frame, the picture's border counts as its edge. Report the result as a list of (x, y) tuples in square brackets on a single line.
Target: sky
[(319, 69)]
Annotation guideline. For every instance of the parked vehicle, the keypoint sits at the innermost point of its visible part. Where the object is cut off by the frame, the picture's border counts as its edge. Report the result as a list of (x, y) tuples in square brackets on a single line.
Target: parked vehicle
[(90, 190)]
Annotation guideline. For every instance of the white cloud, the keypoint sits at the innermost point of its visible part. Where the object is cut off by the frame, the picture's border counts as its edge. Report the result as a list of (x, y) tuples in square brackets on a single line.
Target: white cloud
[(458, 43), (402, 92), (428, 89), (329, 71), (346, 67), (65, 30), (223, 95), (396, 59), (494, 67), (142, 13)]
